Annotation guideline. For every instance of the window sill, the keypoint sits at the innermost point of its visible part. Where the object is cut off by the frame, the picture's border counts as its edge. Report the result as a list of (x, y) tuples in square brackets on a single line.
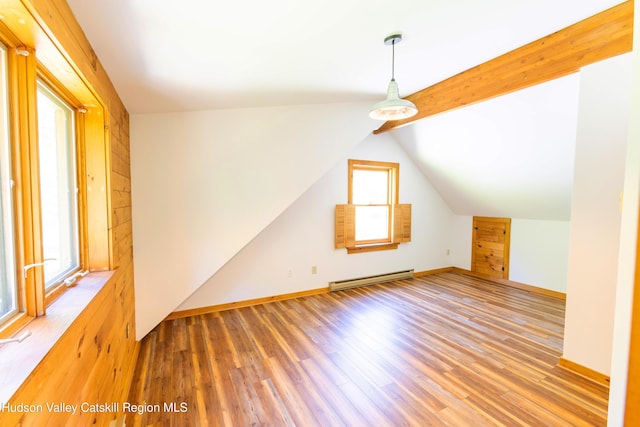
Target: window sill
[(372, 248), (18, 360)]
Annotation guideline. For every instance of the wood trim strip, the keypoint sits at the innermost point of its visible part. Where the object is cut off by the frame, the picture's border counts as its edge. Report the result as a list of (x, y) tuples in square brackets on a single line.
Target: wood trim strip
[(282, 297), (434, 271), (27, 204), (98, 203), (584, 371), (245, 303), (632, 409), (493, 219), (513, 284), (372, 248), (601, 36), (256, 301)]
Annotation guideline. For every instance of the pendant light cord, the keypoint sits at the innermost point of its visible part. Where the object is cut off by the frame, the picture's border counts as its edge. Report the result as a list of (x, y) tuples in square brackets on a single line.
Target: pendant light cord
[(393, 58)]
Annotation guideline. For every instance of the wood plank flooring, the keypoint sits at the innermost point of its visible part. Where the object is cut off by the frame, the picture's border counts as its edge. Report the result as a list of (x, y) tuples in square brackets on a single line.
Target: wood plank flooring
[(438, 350)]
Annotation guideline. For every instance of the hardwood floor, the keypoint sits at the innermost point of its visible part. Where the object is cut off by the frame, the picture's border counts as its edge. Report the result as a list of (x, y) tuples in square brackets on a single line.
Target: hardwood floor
[(445, 349)]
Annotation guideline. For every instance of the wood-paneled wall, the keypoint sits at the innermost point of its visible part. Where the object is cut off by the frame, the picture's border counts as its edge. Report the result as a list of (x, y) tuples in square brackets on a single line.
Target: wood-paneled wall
[(93, 361)]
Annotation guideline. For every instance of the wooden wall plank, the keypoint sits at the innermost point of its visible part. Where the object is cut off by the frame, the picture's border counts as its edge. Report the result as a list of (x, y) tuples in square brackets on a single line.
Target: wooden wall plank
[(97, 196), (93, 361), (604, 35)]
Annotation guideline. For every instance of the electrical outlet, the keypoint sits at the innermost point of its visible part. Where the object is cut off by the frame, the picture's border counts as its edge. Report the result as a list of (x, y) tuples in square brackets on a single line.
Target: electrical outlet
[(448, 252), (314, 269), (290, 272)]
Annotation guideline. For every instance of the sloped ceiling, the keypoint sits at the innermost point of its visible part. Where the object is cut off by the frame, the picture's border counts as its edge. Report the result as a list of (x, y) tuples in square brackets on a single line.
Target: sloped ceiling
[(511, 156), (168, 56)]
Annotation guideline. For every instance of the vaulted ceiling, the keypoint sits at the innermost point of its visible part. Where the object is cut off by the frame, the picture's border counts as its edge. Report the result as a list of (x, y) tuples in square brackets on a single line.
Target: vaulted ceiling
[(512, 155)]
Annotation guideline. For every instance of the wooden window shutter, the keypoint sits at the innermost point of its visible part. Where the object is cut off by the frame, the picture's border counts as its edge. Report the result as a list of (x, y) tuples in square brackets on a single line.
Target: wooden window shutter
[(401, 223), (345, 226)]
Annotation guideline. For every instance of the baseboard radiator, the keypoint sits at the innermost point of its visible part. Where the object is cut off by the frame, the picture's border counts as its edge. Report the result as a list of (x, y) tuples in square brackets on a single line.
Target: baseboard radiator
[(370, 280)]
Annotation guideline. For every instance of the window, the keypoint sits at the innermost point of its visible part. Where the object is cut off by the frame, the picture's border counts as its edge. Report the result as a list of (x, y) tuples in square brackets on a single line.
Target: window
[(372, 190), (372, 219), (8, 285), (43, 230), (58, 187)]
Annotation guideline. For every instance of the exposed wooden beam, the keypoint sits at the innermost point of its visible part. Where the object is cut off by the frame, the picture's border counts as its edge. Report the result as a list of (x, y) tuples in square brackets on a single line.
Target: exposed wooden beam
[(602, 36)]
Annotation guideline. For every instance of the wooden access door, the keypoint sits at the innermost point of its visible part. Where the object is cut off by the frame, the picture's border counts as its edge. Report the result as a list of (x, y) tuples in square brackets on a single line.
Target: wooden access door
[(490, 246)]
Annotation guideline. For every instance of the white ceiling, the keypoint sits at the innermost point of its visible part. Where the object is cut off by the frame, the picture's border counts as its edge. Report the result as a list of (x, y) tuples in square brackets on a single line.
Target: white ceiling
[(164, 55), (511, 156)]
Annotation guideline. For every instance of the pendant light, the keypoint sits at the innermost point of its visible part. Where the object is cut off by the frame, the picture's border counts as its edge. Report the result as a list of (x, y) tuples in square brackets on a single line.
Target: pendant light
[(393, 108)]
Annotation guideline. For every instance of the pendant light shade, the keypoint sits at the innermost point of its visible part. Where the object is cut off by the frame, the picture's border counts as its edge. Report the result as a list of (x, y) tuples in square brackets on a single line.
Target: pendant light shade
[(393, 108)]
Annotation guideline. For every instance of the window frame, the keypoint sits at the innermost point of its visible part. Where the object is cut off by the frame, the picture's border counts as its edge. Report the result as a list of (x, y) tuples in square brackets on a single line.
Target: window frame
[(21, 68), (399, 218), (393, 185), (54, 290), (8, 241), (24, 71)]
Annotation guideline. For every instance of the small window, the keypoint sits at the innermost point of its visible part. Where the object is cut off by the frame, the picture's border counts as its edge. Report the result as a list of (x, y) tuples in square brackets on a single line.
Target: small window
[(58, 187), (372, 191), (8, 283), (372, 219)]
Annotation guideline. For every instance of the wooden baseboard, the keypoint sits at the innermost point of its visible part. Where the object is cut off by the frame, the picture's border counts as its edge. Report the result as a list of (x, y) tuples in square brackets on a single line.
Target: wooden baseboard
[(584, 371), (434, 271), (513, 284), (131, 370), (245, 303), (256, 301)]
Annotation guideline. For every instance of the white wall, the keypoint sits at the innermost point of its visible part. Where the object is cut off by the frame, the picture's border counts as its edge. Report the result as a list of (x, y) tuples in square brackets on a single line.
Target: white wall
[(510, 156), (461, 237), (539, 253), (627, 259), (603, 120), (303, 236), (205, 183), (538, 256)]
